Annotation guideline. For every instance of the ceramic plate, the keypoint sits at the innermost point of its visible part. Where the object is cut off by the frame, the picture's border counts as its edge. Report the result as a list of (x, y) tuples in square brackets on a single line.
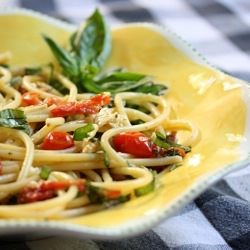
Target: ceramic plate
[(217, 103)]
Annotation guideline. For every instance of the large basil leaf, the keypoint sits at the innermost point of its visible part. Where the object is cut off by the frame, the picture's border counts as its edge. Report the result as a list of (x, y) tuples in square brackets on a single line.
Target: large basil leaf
[(94, 42), (90, 48), (67, 61)]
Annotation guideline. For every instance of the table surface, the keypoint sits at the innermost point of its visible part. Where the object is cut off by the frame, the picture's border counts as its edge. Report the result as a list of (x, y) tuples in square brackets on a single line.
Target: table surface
[(220, 217)]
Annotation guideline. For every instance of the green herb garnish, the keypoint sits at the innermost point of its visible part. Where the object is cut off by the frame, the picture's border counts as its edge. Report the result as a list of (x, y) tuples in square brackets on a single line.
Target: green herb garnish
[(32, 70), (16, 82), (106, 160), (147, 188), (164, 142), (137, 107), (137, 122), (14, 118), (45, 172), (58, 86), (82, 133), (89, 50), (160, 140)]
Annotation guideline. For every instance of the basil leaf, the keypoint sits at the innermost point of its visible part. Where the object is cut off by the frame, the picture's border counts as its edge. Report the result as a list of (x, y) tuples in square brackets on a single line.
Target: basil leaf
[(12, 113), (58, 86), (154, 89), (160, 140), (137, 122), (82, 132), (14, 118), (68, 63), (72, 41), (94, 193), (45, 172), (163, 142), (187, 149), (138, 107), (4, 65), (160, 135), (116, 82), (95, 41), (32, 71), (121, 81), (16, 82), (119, 76), (90, 86), (53, 82), (90, 48)]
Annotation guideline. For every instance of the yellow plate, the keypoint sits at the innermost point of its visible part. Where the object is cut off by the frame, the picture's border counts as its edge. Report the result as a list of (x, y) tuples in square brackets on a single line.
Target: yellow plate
[(217, 103)]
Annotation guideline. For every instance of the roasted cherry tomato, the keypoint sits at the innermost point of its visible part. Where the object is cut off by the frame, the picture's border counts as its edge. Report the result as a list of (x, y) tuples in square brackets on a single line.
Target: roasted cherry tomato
[(30, 98), (134, 143), (91, 106), (31, 194), (47, 190), (53, 100), (57, 140)]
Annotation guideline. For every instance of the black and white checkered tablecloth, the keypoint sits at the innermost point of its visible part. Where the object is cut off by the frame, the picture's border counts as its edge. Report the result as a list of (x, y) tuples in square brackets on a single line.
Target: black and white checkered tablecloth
[(219, 218)]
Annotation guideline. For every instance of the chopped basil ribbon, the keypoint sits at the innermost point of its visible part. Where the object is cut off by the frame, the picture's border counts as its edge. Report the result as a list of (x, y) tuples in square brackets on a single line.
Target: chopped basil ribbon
[(106, 160), (160, 140), (138, 107), (82, 133), (137, 122), (89, 50), (164, 142), (147, 188), (32, 71), (45, 172), (14, 118)]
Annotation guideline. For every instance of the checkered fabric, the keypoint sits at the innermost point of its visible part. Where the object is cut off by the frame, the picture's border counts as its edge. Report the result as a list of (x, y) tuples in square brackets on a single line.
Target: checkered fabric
[(220, 217)]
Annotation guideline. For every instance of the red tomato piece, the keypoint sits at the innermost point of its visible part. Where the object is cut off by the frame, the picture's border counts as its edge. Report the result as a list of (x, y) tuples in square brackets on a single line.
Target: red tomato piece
[(57, 185), (29, 194), (47, 190), (53, 100), (91, 106), (112, 194), (30, 98), (134, 143), (57, 140), (100, 100)]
